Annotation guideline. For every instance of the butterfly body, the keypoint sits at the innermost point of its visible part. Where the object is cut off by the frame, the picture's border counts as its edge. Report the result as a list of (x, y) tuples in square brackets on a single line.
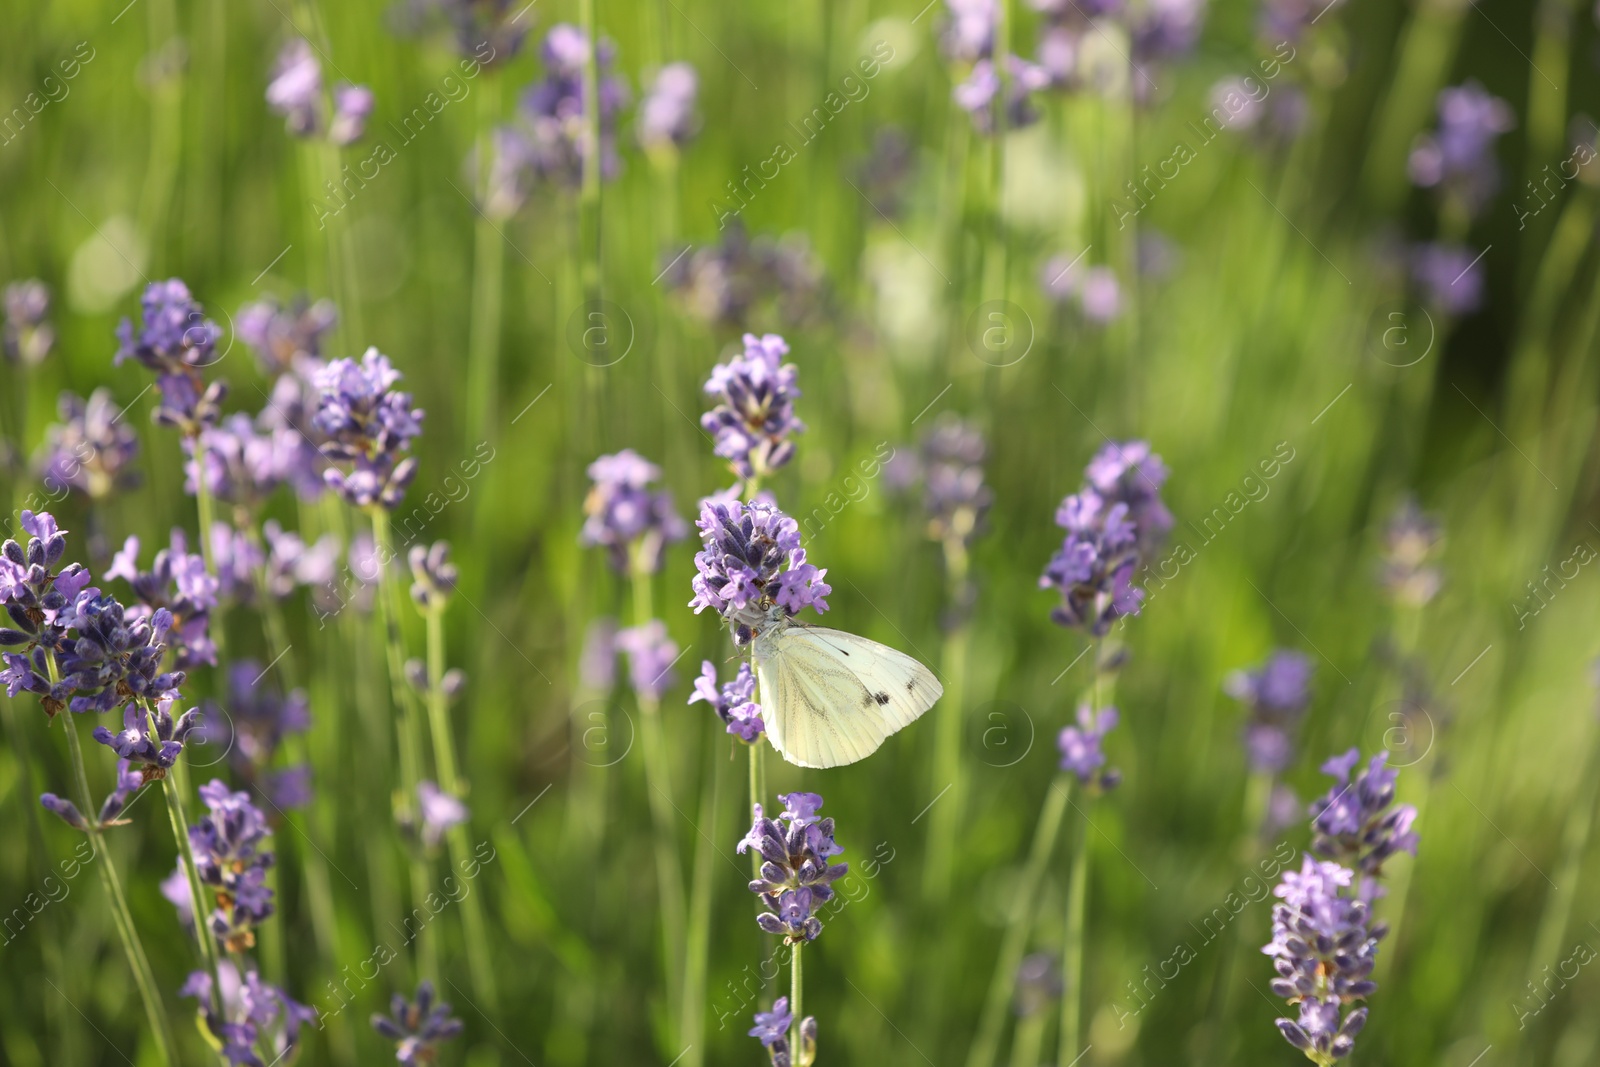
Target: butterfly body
[(830, 698)]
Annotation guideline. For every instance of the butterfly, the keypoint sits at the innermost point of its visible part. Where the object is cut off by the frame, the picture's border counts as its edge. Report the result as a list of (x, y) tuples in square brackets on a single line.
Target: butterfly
[(829, 698)]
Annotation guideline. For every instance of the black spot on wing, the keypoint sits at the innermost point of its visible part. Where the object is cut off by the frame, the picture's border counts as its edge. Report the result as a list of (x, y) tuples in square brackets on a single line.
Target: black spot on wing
[(881, 698), (911, 686)]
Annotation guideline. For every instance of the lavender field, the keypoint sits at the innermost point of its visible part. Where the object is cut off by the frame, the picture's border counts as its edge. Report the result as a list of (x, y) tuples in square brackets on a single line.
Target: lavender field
[(958, 533)]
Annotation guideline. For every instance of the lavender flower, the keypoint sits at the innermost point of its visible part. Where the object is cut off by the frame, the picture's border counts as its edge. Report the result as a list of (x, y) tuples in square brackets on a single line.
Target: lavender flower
[(176, 342), (254, 1015), (152, 739), (229, 857), (242, 467), (91, 449), (796, 877), (1038, 984), (1450, 277), (256, 722), (433, 575), (28, 336), (624, 515), (440, 812), (1162, 30), (887, 170), (667, 118), (741, 573), (732, 702), (116, 656), (1410, 541), (968, 34), (178, 582), (950, 465), (772, 1030), (651, 654), (1355, 821), (286, 338), (291, 562), (1131, 473), (490, 31), (1458, 158), (66, 810), (295, 92), (370, 425), (977, 94), (1324, 948), (755, 413), (417, 1027), (1094, 290), (1081, 752), (741, 279), (1277, 694), (554, 109), (288, 415)]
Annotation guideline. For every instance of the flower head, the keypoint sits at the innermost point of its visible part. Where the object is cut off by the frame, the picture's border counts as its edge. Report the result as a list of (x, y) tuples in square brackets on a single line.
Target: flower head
[(1411, 541), (751, 561), (554, 109), (742, 279), (796, 877), (1277, 694), (950, 465), (651, 654), (977, 94), (433, 575), (28, 336), (230, 858), (732, 701), (370, 425), (667, 118), (1081, 752), (417, 1027), (254, 1015), (440, 812), (1458, 157), (151, 738), (1356, 821), (754, 415), (633, 522), (295, 92), (177, 581), (252, 729), (176, 342), (286, 338), (91, 449), (1450, 277)]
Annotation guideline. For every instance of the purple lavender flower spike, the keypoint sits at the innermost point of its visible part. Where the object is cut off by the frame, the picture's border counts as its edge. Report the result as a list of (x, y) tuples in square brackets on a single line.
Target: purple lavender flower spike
[(667, 118), (732, 701), (292, 563), (230, 858), (740, 566), (1411, 540), (352, 104), (417, 1027), (950, 465), (176, 342), (91, 449), (433, 575), (295, 91), (258, 719), (742, 279), (1355, 821), (1038, 984), (254, 1016), (651, 654), (976, 95), (796, 877), (754, 416), (968, 34), (1458, 158), (554, 109), (633, 522), (1450, 277), (1081, 752), (130, 779), (490, 32), (28, 336), (177, 582), (370, 425), (1277, 694), (440, 812), (286, 338)]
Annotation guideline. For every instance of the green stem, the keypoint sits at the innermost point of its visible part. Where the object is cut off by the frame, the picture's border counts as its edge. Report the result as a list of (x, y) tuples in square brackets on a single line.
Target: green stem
[(407, 728), (488, 280), (197, 892), (1030, 1039), (121, 917), (758, 792), (1574, 843), (1072, 951), (444, 754), (796, 1049), (702, 886), (1019, 922), (658, 782)]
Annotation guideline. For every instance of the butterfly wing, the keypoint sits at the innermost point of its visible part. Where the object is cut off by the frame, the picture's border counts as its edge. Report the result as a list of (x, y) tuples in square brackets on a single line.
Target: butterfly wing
[(830, 698)]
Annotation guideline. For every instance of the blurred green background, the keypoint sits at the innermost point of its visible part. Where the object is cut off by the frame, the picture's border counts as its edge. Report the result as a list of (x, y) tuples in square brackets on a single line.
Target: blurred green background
[(1288, 264)]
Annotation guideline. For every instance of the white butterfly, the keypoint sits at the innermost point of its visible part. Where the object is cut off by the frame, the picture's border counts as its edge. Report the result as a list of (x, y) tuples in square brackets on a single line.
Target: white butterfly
[(829, 698)]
